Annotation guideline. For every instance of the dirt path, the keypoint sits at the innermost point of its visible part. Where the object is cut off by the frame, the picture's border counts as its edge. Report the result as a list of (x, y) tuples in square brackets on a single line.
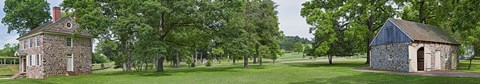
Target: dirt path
[(429, 73)]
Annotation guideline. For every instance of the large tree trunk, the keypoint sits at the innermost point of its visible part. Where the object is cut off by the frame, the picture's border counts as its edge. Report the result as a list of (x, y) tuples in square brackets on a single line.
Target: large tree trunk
[(228, 58), (201, 57), (255, 59), (260, 60), (177, 60), (159, 64), (245, 61), (330, 59), (128, 66), (234, 61), (421, 12), (255, 56), (369, 37), (196, 57)]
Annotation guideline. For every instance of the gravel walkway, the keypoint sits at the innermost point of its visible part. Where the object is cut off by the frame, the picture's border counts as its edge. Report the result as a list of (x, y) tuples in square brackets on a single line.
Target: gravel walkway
[(429, 73)]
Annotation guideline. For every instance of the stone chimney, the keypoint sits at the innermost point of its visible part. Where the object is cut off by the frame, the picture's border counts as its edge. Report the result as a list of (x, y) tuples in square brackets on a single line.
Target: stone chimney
[(56, 14)]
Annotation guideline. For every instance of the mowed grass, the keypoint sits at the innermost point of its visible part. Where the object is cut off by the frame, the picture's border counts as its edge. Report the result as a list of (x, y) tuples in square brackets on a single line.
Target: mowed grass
[(475, 67), (6, 70), (306, 71)]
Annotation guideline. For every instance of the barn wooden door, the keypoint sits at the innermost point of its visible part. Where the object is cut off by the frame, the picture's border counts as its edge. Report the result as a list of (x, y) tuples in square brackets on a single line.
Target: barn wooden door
[(420, 59)]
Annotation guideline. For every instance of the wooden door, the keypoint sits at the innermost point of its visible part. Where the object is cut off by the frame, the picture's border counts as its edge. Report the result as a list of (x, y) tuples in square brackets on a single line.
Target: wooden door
[(24, 65), (420, 60), (69, 62)]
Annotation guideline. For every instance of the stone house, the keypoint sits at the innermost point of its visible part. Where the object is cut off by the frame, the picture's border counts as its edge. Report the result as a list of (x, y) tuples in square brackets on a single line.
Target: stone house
[(411, 47), (55, 48)]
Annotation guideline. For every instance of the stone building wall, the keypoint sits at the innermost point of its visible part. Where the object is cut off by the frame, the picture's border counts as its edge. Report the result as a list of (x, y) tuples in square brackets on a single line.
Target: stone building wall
[(56, 51), (33, 71), (393, 56), (447, 59)]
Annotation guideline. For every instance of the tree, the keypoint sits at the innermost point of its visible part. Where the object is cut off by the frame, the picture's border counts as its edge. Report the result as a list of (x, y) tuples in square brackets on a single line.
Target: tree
[(99, 58), (8, 50), (307, 51), (450, 16), (289, 41), (25, 15), (298, 47), (334, 20)]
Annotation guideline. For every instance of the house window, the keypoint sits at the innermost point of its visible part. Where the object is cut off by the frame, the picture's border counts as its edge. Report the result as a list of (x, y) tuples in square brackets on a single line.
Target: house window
[(69, 42), (37, 60), (69, 25), (38, 41), (31, 42), (24, 44)]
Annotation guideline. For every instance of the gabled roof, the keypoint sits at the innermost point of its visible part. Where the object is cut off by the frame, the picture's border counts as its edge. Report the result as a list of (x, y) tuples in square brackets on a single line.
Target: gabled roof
[(47, 28), (423, 32)]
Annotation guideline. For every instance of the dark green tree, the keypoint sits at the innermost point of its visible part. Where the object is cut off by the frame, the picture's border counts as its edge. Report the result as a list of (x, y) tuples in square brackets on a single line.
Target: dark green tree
[(25, 15)]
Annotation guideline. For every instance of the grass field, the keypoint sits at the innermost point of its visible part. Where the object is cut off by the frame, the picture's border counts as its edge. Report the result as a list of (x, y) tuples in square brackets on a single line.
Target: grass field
[(290, 69)]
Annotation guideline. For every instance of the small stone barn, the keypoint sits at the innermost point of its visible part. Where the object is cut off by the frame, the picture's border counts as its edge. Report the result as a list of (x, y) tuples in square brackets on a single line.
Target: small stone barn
[(411, 47), (55, 48)]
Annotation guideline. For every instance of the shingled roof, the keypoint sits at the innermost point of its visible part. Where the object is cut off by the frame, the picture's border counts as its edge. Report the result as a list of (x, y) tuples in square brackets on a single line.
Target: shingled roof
[(47, 27), (423, 32)]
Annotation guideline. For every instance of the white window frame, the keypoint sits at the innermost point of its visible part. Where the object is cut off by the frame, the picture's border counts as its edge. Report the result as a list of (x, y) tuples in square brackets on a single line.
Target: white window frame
[(24, 44), (38, 41), (31, 43), (71, 42), (37, 60)]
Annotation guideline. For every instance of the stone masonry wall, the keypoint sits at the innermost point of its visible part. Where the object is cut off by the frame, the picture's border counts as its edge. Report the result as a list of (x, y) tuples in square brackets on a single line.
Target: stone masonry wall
[(392, 56), (32, 71), (56, 51), (448, 55)]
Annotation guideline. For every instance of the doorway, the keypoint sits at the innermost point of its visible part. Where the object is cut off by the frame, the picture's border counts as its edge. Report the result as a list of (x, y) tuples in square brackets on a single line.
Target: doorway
[(420, 59), (69, 62), (24, 65)]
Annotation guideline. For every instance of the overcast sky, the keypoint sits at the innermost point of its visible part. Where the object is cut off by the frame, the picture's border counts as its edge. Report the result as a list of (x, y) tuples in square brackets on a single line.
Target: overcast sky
[(291, 23)]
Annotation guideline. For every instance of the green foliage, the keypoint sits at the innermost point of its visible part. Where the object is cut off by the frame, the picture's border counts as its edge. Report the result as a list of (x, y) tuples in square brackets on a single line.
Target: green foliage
[(25, 15), (298, 47), (190, 62), (99, 58), (289, 42), (451, 16), (209, 63), (344, 27), (8, 50)]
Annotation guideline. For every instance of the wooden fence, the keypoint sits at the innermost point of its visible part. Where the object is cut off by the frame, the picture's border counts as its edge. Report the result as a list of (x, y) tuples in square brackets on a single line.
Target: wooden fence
[(8, 60)]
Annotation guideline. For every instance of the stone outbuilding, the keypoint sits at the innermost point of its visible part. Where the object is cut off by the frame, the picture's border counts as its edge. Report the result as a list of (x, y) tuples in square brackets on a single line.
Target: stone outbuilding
[(411, 47), (54, 49)]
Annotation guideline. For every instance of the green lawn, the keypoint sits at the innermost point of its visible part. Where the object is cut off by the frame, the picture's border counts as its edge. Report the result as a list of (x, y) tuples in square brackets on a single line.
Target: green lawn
[(287, 72), (8, 70), (474, 68)]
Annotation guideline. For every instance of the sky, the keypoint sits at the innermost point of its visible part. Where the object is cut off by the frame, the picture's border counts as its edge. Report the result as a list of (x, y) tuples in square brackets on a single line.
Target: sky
[(291, 23)]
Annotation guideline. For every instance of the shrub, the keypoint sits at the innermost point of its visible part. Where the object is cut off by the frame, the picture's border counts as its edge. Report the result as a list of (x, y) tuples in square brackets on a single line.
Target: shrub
[(209, 63), (190, 62)]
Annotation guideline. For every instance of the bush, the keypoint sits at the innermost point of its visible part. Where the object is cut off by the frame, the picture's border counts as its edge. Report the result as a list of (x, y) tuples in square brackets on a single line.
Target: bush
[(190, 62), (99, 58), (209, 63)]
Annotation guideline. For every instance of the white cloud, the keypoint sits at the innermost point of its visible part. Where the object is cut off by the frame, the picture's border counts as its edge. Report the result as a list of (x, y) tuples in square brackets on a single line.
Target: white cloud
[(291, 23), (11, 39)]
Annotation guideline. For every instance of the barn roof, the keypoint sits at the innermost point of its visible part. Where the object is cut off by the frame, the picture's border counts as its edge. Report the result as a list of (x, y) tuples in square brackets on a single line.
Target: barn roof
[(423, 32)]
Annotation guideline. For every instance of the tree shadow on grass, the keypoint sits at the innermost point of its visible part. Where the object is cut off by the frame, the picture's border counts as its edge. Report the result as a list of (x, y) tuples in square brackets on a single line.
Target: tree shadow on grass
[(170, 71), (377, 78), (319, 64)]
